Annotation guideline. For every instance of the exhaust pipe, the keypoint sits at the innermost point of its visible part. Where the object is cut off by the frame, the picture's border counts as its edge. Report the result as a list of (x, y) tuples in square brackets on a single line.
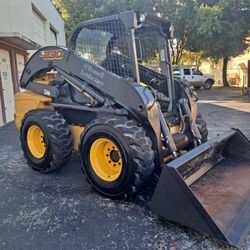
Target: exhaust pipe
[(208, 188)]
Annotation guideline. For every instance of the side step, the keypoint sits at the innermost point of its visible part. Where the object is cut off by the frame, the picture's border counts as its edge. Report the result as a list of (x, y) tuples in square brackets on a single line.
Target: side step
[(208, 188)]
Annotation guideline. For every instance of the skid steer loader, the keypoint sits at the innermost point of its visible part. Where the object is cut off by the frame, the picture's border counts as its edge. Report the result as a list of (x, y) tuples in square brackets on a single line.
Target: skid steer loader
[(114, 99)]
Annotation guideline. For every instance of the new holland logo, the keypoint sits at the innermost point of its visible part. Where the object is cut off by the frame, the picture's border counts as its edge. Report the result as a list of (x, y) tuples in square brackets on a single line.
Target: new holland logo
[(56, 54)]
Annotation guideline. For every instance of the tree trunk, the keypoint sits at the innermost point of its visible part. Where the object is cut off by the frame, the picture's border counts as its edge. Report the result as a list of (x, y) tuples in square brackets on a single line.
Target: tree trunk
[(224, 72)]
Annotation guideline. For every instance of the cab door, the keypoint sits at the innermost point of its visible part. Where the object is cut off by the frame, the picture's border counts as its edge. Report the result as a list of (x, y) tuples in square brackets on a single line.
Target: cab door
[(197, 78), (1, 104), (187, 74)]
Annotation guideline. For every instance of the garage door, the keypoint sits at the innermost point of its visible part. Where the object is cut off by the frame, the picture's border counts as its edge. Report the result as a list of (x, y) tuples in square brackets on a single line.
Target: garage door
[(1, 114), (7, 84), (38, 29), (20, 62)]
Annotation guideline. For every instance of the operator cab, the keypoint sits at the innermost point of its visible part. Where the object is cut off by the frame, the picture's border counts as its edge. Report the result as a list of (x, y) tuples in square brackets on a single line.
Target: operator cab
[(132, 45)]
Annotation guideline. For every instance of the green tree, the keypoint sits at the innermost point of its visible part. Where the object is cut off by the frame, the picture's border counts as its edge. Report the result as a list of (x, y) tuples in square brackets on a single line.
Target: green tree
[(182, 14), (75, 11), (211, 28), (192, 58), (220, 30)]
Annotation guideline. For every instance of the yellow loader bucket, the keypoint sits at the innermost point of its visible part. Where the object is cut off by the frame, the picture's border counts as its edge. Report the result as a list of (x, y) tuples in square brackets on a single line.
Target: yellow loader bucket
[(208, 188)]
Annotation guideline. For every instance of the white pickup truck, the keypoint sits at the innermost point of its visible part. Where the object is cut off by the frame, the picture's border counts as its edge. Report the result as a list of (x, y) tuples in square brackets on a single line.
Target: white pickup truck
[(194, 77)]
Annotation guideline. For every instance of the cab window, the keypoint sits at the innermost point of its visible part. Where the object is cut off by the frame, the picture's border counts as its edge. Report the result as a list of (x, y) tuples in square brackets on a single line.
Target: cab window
[(92, 44), (176, 72), (196, 72), (187, 72)]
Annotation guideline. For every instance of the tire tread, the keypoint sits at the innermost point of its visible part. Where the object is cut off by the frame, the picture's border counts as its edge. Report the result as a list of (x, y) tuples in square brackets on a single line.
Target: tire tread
[(60, 136), (140, 146)]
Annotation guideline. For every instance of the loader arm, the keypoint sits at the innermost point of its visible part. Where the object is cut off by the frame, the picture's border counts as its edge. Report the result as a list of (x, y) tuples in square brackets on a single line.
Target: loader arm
[(127, 93)]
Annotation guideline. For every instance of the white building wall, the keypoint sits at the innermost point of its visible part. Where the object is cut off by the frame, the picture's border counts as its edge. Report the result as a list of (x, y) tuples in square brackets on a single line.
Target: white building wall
[(16, 17), (24, 24), (236, 70)]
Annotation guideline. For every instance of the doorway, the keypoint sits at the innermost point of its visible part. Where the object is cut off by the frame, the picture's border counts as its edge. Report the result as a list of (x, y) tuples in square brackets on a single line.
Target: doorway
[(7, 86), (248, 74)]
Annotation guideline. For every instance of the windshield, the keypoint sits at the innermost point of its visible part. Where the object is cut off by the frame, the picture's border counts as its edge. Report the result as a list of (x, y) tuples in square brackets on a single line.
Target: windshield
[(92, 44), (108, 46), (148, 52)]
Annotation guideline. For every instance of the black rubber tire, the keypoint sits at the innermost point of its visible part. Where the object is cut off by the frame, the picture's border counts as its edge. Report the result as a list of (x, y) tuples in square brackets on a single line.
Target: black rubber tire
[(57, 136), (208, 84), (202, 127), (136, 151)]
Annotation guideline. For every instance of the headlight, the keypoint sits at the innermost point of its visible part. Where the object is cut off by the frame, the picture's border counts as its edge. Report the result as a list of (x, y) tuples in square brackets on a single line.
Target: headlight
[(142, 18)]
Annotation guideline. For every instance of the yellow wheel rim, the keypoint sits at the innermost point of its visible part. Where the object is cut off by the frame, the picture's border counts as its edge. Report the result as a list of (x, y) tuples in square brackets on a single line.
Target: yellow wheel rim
[(105, 159), (35, 141)]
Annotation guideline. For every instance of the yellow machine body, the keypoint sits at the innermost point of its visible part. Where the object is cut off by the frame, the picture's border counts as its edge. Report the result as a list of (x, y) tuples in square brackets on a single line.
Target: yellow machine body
[(28, 100)]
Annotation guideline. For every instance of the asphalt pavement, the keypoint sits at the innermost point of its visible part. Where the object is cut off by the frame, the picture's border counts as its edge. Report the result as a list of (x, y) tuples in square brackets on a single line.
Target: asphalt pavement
[(61, 211)]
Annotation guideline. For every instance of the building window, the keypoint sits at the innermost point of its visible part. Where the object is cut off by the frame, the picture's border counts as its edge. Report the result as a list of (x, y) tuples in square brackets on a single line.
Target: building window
[(187, 72), (38, 23), (53, 36)]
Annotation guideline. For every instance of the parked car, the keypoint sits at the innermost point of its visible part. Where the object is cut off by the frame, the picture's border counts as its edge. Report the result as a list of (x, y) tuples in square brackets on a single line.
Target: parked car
[(194, 77)]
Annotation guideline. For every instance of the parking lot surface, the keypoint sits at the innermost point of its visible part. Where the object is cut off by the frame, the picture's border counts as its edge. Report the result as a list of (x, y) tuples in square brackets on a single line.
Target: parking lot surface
[(61, 211)]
